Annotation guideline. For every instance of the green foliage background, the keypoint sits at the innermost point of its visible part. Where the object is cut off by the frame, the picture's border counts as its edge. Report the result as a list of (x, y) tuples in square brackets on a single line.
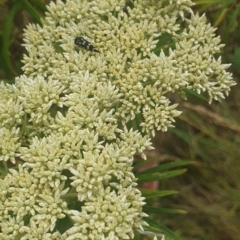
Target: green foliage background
[(205, 141)]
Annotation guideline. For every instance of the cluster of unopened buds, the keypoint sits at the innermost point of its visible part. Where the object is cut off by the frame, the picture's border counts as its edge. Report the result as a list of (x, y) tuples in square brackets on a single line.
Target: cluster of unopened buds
[(94, 90)]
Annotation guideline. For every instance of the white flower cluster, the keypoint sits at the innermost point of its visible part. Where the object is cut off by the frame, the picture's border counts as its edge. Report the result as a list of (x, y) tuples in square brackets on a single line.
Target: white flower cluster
[(65, 124)]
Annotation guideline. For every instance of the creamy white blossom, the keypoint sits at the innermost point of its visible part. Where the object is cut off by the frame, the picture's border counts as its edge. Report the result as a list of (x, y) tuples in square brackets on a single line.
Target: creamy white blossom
[(74, 120)]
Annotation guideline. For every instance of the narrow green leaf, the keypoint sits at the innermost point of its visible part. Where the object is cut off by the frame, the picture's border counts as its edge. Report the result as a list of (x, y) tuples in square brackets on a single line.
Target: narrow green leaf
[(139, 164), (236, 57), (149, 209), (148, 194), (181, 134), (158, 176), (195, 94), (159, 228), (167, 166), (234, 14), (32, 11), (39, 4), (6, 37)]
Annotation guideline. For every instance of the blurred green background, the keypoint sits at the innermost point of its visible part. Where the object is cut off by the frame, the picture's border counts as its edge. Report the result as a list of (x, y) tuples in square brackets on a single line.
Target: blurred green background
[(206, 135)]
